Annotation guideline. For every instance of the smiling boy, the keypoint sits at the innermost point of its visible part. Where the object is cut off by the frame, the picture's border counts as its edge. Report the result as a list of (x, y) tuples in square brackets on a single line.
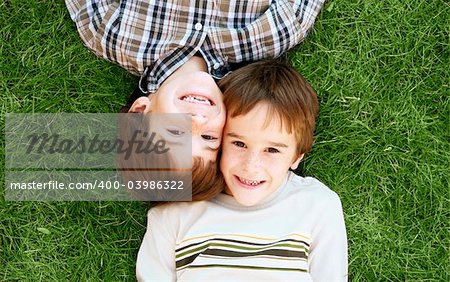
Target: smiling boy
[(190, 89), (162, 40), (256, 156), (270, 224)]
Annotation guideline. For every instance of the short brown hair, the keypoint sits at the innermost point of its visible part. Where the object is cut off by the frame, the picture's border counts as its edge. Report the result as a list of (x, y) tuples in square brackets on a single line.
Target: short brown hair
[(289, 96)]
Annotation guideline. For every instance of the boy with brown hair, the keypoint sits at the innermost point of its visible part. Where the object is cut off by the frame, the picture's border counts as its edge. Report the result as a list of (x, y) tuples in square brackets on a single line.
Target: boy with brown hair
[(179, 48), (270, 224)]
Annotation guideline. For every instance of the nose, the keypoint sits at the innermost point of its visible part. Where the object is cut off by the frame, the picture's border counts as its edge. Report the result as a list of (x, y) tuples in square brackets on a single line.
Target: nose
[(198, 121), (251, 162)]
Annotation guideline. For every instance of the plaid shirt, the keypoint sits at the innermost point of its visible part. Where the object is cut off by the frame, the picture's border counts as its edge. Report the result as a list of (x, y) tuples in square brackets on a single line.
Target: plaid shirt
[(154, 38)]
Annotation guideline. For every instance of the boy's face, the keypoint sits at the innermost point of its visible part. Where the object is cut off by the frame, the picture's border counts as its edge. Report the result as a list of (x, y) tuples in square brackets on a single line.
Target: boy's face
[(256, 156), (193, 91)]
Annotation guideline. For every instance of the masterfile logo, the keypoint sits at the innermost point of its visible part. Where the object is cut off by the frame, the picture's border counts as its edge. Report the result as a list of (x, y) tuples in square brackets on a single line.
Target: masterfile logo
[(77, 157)]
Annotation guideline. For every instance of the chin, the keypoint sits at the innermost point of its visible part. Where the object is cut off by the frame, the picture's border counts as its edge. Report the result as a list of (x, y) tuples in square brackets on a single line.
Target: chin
[(244, 201)]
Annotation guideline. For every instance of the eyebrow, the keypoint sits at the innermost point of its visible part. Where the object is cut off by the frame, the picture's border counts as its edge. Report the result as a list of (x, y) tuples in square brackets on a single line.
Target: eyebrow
[(212, 149), (173, 142), (231, 134), (275, 144)]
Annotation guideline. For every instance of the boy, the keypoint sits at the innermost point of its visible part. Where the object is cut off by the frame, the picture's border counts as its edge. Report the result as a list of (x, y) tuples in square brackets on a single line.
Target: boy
[(270, 224), (183, 42)]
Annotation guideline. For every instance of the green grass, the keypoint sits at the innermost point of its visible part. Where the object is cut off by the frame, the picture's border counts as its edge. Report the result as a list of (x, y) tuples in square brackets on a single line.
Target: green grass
[(381, 70)]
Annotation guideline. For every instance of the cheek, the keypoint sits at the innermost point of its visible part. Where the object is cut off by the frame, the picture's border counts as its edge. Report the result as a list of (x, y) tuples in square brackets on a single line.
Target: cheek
[(226, 149), (279, 165), (217, 124), (229, 158), (223, 119), (224, 163)]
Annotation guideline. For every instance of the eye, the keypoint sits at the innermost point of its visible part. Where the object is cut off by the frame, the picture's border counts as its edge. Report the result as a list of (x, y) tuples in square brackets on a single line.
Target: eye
[(209, 137), (272, 150), (175, 132), (238, 144)]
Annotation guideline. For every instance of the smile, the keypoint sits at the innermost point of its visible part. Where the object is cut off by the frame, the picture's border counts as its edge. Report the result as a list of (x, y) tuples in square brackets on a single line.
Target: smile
[(248, 182), (197, 99)]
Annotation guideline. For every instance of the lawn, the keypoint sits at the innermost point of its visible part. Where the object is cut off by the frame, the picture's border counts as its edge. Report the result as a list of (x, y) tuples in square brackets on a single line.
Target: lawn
[(381, 71)]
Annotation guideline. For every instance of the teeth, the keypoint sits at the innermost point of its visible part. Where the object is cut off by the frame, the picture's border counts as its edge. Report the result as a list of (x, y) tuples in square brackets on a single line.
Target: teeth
[(196, 99), (249, 182)]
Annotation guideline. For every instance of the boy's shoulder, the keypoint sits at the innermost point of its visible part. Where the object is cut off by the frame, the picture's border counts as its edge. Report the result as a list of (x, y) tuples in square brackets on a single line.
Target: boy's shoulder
[(312, 197), (310, 187), (177, 217), (176, 211)]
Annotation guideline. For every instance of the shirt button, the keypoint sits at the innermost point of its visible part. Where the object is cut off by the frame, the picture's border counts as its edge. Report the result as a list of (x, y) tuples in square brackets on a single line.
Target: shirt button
[(216, 66), (198, 26)]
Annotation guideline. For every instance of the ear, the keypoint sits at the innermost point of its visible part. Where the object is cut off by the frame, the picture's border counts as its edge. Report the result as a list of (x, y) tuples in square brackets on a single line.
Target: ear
[(141, 105), (297, 162)]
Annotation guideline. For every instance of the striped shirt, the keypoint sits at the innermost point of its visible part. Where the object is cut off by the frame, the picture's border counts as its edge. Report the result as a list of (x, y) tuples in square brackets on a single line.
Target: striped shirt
[(154, 38), (295, 234)]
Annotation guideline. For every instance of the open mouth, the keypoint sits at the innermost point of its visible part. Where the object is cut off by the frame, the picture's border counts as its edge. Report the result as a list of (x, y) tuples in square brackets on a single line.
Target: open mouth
[(250, 183), (197, 99)]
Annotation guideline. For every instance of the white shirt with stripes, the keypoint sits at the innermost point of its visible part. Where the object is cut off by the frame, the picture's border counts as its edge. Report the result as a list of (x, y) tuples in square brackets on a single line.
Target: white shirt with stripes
[(297, 234)]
